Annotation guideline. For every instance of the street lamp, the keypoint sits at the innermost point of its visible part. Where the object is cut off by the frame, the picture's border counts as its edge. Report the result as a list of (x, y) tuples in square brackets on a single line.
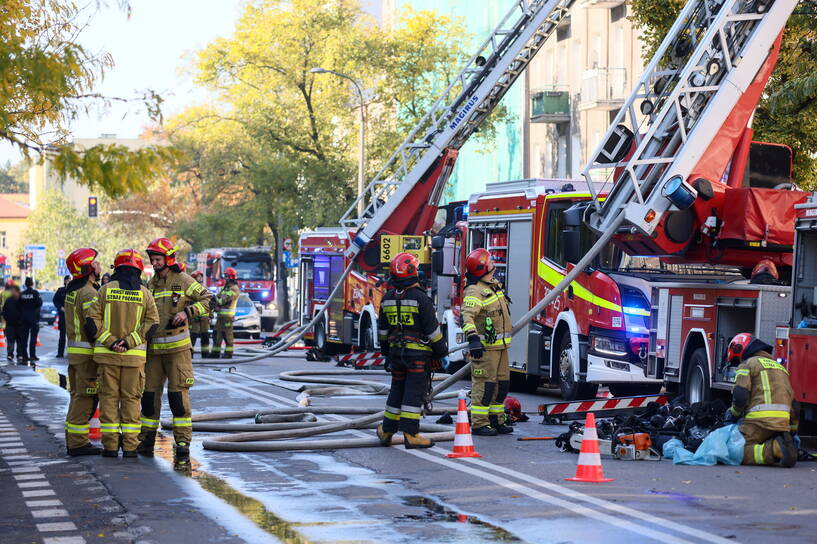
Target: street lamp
[(361, 173)]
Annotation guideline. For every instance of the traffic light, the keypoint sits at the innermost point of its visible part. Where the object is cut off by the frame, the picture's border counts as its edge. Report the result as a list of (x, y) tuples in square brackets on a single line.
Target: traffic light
[(93, 204), (21, 261)]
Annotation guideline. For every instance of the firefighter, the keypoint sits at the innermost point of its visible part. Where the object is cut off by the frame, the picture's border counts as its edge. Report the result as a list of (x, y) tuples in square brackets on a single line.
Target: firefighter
[(410, 338), (226, 301), (82, 370), (179, 299), (200, 327), (763, 398), (486, 319), (122, 319)]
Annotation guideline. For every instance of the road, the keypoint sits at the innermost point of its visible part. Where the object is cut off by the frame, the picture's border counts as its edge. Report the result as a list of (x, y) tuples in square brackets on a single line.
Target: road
[(515, 493)]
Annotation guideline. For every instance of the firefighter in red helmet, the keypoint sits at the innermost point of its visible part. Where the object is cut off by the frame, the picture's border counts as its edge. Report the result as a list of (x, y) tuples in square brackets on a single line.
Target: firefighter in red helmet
[(762, 400), (200, 327), (486, 323), (410, 338), (179, 300), (82, 370), (226, 302)]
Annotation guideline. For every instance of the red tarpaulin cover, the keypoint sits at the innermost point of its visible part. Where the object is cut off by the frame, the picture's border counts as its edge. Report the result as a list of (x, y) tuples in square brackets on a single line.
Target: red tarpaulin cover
[(754, 214)]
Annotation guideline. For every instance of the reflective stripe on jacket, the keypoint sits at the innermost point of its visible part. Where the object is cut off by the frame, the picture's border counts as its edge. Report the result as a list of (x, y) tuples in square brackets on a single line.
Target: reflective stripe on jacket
[(227, 300), (770, 394), (485, 312), (77, 305), (407, 325), (176, 292)]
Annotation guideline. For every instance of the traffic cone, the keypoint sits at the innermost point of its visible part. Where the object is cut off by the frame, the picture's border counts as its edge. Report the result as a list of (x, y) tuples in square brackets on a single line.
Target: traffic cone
[(588, 468), (94, 432), (463, 441), (57, 323), (2, 338), (38, 341)]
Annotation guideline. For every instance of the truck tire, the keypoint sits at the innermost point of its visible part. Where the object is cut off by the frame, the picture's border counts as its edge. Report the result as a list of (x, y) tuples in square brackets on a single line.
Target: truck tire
[(571, 389), (633, 389), (696, 384), (524, 383), (367, 336)]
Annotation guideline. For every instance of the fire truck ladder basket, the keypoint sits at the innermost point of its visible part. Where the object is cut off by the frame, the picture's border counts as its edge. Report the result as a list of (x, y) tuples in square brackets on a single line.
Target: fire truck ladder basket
[(704, 64)]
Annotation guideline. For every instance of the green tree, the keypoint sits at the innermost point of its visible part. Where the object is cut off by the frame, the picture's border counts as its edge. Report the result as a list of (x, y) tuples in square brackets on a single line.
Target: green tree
[(787, 112), (13, 177), (47, 79)]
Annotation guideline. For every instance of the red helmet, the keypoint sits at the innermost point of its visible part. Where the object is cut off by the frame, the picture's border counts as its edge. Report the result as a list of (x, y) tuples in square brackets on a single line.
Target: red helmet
[(129, 257), (230, 273), (79, 262), (765, 271), (738, 346), (479, 262), (404, 266), (198, 275), (163, 246)]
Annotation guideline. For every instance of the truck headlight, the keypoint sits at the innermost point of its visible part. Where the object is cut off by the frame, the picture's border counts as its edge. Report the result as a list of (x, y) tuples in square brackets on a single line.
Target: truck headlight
[(609, 346)]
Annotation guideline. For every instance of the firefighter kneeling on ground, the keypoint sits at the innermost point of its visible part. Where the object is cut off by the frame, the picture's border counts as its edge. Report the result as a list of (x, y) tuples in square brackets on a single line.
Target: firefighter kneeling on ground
[(200, 327), (179, 299), (486, 323), (763, 398), (82, 370), (410, 338), (226, 302)]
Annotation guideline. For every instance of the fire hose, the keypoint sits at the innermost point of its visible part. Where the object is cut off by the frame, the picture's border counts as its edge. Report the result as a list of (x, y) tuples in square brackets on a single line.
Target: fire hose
[(264, 440)]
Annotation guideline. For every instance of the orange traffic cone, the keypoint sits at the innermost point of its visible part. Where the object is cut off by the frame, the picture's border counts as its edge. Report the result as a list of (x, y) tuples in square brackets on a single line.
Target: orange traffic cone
[(38, 341), (463, 441), (2, 338), (94, 432), (57, 323), (588, 468)]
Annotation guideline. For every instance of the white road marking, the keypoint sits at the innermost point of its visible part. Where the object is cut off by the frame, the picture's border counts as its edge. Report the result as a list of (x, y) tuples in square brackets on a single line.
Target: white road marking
[(25, 469), (64, 540), (50, 513), (23, 477), (26, 485), (38, 493), (13, 452), (56, 526), (40, 504)]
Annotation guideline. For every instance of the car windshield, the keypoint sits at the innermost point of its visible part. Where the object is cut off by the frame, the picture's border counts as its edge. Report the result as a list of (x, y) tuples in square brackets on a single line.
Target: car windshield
[(251, 270), (47, 296), (244, 302)]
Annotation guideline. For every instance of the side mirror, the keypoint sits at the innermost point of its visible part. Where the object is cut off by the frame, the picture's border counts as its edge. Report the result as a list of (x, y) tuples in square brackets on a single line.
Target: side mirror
[(437, 242), (572, 239), (437, 259)]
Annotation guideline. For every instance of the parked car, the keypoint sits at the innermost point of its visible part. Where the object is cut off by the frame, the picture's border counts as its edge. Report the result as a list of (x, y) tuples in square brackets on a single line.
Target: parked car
[(247, 322), (48, 312)]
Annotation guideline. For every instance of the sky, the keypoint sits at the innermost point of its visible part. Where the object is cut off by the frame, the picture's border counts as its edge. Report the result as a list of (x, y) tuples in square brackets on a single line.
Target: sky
[(153, 49)]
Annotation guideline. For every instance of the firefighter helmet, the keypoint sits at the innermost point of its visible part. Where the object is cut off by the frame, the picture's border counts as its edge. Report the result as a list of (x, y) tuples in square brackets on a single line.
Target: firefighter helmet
[(765, 272), (230, 273), (197, 275), (164, 247), (738, 346), (479, 262), (404, 266), (79, 262), (129, 257)]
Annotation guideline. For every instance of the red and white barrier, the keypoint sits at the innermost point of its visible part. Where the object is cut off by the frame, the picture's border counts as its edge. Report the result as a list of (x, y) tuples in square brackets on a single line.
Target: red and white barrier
[(579, 409)]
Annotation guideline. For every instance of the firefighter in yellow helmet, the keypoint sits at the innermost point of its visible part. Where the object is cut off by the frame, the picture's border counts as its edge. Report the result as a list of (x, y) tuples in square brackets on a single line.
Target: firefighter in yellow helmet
[(762, 400), (122, 319), (179, 299), (486, 323), (200, 326), (226, 302), (82, 369)]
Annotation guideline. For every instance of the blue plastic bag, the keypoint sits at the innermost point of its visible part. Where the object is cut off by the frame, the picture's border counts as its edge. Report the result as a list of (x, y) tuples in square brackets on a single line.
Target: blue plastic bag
[(724, 445)]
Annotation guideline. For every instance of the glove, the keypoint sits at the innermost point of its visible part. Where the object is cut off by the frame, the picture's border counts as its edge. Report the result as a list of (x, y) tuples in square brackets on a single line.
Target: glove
[(445, 362), (475, 347), (730, 417)]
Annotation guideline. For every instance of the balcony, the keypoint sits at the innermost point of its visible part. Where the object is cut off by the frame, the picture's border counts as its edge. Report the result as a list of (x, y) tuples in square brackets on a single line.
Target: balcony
[(603, 88), (600, 3), (550, 105)]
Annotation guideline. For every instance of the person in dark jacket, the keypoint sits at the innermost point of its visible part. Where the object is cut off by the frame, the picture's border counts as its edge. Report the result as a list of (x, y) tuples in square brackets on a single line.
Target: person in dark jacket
[(14, 323), (30, 305), (59, 303)]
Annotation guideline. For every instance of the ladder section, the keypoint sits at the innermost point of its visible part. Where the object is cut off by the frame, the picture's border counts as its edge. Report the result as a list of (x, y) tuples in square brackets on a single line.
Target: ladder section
[(707, 60), (454, 116)]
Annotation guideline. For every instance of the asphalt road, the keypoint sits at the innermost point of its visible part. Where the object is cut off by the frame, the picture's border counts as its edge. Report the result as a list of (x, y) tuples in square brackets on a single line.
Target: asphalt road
[(515, 493)]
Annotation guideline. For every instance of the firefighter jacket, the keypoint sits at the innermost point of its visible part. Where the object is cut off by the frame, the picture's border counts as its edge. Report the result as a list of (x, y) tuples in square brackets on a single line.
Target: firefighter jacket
[(176, 292), (227, 300), (485, 312), (407, 325), (122, 314), (77, 305), (763, 395)]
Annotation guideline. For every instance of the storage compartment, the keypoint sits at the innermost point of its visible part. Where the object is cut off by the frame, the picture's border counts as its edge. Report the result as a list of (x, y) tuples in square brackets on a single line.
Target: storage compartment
[(735, 315)]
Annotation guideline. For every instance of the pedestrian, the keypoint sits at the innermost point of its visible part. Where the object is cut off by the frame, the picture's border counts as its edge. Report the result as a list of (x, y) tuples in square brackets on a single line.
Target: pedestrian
[(763, 402), (13, 315), (30, 305), (226, 302), (410, 338), (122, 319), (200, 327), (179, 299), (77, 296), (486, 318), (105, 279), (4, 295), (59, 303)]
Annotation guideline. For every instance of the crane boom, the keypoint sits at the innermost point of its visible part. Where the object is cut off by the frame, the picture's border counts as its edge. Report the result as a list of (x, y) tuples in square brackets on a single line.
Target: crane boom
[(455, 115)]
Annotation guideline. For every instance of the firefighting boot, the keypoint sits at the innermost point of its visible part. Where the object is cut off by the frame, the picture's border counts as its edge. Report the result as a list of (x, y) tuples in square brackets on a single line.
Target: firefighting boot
[(87, 449), (214, 355), (227, 355), (385, 438), (784, 450), (182, 454), (485, 430), (416, 441), (129, 453), (501, 428), (147, 444)]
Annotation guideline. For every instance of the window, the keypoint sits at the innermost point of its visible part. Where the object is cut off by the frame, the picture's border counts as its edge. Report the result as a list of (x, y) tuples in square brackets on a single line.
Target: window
[(563, 30), (619, 12), (3, 239), (554, 242)]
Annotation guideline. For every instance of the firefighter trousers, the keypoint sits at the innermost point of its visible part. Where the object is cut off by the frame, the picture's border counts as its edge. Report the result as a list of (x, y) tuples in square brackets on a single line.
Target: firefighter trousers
[(761, 447), (224, 332), (408, 386), (82, 377), (120, 391), (177, 370), (490, 382), (205, 341)]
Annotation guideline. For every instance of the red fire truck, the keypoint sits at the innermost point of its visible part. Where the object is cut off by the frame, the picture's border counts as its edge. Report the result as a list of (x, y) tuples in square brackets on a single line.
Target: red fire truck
[(253, 266)]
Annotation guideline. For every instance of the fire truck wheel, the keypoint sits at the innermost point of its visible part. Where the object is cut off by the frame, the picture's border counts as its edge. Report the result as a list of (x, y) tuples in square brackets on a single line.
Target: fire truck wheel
[(567, 361), (630, 389), (696, 386), (320, 335), (367, 336)]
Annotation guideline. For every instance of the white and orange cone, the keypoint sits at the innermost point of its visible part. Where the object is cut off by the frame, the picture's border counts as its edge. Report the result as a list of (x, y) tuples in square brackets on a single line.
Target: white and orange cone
[(94, 431), (39, 344), (57, 323), (588, 468), (463, 441), (2, 338)]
